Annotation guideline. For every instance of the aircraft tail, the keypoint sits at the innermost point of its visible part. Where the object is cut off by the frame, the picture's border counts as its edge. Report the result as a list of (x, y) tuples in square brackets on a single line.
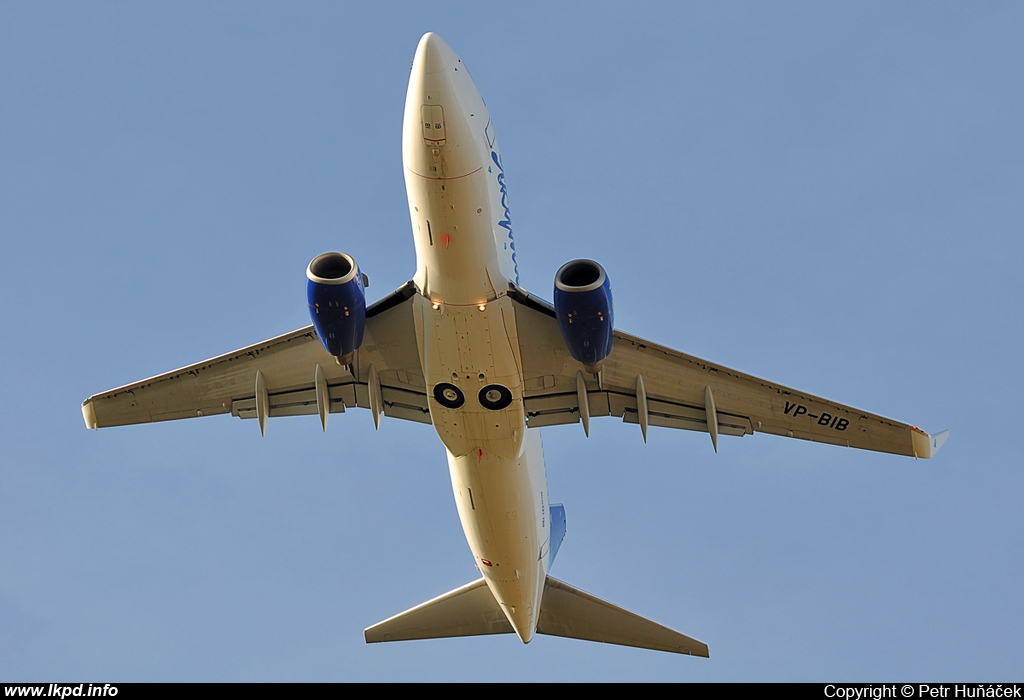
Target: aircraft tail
[(565, 612)]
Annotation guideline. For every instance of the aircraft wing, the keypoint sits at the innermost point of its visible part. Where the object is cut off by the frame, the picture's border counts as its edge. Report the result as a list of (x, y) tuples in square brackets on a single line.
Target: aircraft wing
[(283, 377), (645, 383)]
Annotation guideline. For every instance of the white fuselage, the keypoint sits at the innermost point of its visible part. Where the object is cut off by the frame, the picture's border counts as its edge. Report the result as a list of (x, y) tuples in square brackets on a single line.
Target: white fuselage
[(466, 328)]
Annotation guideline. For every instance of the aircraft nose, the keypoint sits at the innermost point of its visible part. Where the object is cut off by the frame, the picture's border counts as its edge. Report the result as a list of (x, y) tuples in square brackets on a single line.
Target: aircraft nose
[(433, 55)]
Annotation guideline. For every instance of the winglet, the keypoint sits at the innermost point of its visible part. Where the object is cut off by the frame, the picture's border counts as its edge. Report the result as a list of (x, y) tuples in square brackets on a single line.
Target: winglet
[(927, 446), (89, 413)]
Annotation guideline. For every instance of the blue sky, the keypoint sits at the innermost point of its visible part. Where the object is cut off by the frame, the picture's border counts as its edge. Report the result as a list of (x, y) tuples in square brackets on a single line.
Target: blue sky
[(828, 196)]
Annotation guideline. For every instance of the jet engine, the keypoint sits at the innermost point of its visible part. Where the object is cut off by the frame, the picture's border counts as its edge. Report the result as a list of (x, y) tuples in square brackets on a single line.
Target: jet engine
[(583, 305), (337, 303)]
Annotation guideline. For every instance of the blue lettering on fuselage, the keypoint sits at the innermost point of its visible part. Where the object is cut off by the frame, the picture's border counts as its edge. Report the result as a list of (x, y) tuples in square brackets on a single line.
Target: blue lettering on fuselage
[(506, 223)]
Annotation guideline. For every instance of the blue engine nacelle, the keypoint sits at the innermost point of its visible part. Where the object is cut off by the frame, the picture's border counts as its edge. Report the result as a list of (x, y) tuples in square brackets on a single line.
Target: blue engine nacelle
[(337, 303), (583, 305)]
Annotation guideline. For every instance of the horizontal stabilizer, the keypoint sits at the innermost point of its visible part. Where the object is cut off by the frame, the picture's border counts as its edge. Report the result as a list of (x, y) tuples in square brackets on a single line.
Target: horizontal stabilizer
[(569, 612), (467, 611), (564, 612)]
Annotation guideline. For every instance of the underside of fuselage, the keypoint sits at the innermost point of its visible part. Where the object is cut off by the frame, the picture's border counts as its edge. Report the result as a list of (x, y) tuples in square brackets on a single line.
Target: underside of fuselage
[(466, 329)]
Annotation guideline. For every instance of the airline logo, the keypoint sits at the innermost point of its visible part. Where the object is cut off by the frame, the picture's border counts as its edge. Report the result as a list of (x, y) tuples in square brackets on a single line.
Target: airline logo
[(506, 220)]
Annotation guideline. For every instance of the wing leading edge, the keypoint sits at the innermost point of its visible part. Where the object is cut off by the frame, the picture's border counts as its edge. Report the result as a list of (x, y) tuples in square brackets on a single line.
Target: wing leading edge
[(649, 384), (285, 376)]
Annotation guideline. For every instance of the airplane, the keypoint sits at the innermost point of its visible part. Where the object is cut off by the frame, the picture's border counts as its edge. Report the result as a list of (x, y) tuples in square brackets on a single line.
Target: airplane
[(463, 347)]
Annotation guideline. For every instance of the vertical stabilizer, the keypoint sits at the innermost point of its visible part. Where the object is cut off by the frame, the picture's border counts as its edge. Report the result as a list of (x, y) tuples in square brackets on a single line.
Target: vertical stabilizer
[(557, 530)]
